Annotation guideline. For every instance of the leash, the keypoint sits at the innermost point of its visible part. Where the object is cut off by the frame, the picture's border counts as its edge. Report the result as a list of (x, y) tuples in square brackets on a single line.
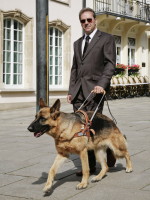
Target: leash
[(113, 118)]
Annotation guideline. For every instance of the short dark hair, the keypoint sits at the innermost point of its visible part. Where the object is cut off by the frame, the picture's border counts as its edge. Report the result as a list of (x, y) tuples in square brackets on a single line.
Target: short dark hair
[(85, 10)]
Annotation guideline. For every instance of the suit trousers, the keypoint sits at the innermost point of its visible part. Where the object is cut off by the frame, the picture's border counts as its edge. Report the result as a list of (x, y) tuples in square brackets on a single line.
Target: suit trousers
[(90, 105)]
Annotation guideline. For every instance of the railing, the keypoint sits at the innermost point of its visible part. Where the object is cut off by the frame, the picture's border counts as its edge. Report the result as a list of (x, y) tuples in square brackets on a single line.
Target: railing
[(125, 87), (137, 10)]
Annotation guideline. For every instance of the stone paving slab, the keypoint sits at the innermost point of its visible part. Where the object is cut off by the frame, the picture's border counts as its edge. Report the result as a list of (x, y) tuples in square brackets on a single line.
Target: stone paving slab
[(110, 192), (8, 179), (25, 160), (7, 197)]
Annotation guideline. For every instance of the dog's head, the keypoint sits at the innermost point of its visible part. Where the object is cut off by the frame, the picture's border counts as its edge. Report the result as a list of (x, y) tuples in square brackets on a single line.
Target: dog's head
[(45, 119)]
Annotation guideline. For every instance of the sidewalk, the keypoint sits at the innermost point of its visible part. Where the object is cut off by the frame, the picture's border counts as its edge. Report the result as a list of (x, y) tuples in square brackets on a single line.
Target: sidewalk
[(25, 160)]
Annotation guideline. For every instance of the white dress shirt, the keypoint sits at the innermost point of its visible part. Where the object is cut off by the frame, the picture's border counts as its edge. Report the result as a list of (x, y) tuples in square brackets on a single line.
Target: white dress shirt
[(91, 36)]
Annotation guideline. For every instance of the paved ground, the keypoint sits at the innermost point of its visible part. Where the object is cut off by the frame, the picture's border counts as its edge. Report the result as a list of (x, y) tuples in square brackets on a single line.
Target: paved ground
[(25, 160)]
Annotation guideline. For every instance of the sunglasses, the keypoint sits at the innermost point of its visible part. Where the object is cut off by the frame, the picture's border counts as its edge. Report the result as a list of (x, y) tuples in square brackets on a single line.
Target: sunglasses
[(84, 20)]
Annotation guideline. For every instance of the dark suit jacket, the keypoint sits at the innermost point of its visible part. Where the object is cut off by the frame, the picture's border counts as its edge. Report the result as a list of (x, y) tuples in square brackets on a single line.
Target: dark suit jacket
[(96, 67)]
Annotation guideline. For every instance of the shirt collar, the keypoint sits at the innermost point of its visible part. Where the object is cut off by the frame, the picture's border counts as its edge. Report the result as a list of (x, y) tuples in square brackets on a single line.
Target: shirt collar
[(91, 35)]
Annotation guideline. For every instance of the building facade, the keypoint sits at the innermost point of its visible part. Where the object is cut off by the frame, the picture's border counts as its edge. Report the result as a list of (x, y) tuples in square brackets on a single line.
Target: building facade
[(127, 20)]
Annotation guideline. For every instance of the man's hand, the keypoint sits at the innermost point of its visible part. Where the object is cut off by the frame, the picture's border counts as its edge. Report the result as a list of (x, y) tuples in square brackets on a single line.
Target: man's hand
[(69, 97), (99, 90)]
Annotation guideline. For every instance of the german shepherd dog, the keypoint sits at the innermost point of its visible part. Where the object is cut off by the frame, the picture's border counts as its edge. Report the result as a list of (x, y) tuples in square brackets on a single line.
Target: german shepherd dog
[(63, 127)]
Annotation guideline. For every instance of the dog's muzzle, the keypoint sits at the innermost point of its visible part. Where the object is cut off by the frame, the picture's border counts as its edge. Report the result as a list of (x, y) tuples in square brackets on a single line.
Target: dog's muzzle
[(38, 129)]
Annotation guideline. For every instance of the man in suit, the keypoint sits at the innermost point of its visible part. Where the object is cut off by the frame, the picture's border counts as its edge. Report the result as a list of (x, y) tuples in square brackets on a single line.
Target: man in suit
[(93, 66)]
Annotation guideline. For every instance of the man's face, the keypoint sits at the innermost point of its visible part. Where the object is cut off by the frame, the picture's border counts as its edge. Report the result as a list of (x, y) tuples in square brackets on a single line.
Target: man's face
[(88, 22)]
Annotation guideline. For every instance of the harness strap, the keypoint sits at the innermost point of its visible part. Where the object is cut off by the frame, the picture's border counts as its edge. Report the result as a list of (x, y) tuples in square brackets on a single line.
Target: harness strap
[(86, 131), (85, 116)]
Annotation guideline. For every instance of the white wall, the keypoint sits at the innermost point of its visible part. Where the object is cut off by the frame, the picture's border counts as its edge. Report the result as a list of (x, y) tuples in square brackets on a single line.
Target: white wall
[(27, 7), (69, 15)]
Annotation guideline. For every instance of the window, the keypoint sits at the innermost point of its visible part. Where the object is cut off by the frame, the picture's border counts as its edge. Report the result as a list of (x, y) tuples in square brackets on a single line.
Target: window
[(131, 51), (55, 57), (118, 48), (12, 53)]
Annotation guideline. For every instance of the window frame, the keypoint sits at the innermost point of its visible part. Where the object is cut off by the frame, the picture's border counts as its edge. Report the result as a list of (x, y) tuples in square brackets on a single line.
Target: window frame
[(53, 85), (118, 46), (12, 85), (130, 49)]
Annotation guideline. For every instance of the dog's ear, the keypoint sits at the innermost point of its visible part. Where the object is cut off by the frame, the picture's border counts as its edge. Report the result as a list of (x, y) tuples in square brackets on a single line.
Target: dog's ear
[(42, 103), (56, 106), (55, 115)]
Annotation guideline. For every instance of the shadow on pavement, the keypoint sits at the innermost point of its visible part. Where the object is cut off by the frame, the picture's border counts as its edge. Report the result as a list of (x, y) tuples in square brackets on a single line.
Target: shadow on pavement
[(61, 177)]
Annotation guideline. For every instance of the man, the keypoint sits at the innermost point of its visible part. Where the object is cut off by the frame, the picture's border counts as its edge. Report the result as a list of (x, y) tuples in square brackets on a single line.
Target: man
[(93, 66)]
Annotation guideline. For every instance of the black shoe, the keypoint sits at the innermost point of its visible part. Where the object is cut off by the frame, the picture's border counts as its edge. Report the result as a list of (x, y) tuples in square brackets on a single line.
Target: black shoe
[(92, 170), (111, 160)]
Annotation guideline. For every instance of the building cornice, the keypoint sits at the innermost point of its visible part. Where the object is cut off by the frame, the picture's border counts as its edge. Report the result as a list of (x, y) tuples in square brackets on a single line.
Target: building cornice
[(59, 24), (16, 14)]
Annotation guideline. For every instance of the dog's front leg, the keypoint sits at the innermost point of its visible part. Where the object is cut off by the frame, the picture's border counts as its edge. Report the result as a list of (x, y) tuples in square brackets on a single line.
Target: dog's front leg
[(85, 169), (59, 160)]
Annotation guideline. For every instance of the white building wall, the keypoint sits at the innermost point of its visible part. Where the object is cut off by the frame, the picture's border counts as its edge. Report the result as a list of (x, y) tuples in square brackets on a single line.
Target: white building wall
[(67, 13), (27, 7), (144, 57), (89, 3)]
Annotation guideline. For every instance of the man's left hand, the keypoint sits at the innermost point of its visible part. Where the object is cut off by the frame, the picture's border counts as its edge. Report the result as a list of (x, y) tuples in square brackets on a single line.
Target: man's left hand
[(99, 90)]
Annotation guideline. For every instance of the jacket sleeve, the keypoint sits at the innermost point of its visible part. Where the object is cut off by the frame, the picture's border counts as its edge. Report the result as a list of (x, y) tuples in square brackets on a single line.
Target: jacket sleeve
[(109, 62)]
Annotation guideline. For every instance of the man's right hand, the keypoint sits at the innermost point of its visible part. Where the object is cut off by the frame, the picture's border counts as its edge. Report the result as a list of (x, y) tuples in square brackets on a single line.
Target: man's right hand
[(69, 97)]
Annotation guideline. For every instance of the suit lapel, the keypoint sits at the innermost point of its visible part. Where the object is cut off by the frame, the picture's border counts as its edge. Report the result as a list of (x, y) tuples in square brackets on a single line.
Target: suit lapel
[(92, 43)]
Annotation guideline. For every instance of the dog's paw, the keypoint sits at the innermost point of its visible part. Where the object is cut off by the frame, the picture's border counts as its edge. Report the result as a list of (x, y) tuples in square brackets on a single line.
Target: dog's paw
[(96, 179), (81, 186), (128, 170), (47, 188)]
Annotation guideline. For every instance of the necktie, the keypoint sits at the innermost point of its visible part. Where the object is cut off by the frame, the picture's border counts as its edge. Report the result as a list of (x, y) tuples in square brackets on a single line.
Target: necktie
[(86, 44)]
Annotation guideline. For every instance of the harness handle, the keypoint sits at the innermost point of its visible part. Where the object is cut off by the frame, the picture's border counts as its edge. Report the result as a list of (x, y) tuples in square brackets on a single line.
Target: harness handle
[(85, 100), (104, 95), (97, 106)]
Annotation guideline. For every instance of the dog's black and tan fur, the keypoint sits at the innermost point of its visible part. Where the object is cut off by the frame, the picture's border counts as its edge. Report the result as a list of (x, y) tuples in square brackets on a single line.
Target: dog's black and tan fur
[(62, 127)]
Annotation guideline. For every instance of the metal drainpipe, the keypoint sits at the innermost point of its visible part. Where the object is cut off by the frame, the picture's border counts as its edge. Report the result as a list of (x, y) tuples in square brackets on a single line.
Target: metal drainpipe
[(83, 3), (83, 6), (42, 72)]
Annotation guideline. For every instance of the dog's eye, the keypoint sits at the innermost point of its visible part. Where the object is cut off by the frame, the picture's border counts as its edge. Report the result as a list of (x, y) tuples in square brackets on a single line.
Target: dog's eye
[(42, 119)]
